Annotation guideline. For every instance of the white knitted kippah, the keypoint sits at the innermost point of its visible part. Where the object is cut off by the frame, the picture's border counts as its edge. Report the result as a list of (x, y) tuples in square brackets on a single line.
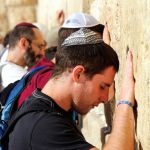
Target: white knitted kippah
[(83, 36)]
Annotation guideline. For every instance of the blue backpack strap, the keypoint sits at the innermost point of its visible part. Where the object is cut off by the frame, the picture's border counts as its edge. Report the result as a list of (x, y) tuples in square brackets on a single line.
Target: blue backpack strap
[(14, 92)]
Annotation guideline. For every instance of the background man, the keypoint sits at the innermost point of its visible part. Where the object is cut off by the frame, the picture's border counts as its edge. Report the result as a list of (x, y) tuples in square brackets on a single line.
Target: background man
[(26, 46)]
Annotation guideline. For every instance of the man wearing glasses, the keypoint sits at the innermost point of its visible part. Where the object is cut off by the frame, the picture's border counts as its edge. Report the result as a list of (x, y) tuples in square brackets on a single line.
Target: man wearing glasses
[(26, 47)]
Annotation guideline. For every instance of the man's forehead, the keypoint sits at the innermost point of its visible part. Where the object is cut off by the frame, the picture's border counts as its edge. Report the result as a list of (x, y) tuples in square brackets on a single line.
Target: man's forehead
[(37, 32), (108, 75), (38, 36)]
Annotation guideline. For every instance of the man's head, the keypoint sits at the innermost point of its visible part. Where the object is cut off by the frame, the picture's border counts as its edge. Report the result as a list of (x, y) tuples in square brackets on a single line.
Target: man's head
[(77, 21), (92, 65), (29, 40)]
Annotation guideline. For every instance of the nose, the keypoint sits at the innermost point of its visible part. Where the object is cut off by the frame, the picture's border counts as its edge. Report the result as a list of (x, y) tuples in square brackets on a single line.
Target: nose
[(41, 52), (104, 96), (41, 49)]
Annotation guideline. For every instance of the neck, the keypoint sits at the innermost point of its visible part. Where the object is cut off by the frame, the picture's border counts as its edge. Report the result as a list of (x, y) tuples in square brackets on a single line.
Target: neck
[(16, 58), (57, 90)]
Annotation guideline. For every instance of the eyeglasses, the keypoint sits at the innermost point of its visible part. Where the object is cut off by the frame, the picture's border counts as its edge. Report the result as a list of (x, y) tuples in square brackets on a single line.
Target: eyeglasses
[(40, 46)]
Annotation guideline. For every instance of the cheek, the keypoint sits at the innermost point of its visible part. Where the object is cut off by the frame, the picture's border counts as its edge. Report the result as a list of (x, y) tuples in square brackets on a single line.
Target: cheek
[(90, 94), (35, 50), (92, 90), (86, 94), (81, 94)]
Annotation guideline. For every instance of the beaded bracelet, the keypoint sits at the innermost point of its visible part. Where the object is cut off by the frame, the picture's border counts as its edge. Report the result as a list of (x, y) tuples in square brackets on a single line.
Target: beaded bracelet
[(125, 102)]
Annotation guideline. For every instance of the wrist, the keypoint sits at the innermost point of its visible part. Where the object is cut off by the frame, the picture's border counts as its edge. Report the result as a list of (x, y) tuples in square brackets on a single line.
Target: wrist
[(125, 102)]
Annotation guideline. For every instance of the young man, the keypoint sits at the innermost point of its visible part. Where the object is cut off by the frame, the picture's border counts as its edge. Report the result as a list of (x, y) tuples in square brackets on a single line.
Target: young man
[(71, 24), (84, 70), (26, 45)]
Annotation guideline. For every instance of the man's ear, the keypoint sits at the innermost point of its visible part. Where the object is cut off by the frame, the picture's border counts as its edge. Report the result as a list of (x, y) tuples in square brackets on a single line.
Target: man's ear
[(23, 44), (78, 74)]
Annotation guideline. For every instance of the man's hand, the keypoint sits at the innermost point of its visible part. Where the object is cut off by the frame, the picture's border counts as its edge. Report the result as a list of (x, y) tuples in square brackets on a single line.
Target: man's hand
[(60, 16), (106, 35), (127, 89)]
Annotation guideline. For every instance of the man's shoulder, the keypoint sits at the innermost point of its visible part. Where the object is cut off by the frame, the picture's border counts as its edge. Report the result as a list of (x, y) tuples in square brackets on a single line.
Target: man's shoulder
[(11, 73), (13, 69), (12, 66)]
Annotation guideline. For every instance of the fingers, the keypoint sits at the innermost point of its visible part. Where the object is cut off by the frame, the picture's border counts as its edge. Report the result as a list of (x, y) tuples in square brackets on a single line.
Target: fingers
[(129, 65), (60, 17), (127, 89), (106, 35)]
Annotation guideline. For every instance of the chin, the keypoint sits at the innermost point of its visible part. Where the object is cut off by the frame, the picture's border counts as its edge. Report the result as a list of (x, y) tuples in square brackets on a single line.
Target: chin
[(84, 112)]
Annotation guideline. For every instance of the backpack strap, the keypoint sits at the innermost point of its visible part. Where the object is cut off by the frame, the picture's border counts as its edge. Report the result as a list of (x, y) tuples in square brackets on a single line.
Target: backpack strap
[(20, 113), (17, 89)]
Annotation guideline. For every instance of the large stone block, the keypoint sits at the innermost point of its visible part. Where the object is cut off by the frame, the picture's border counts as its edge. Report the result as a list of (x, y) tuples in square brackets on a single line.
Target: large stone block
[(23, 13), (2, 9), (129, 26), (4, 27), (20, 2), (3, 19), (93, 123)]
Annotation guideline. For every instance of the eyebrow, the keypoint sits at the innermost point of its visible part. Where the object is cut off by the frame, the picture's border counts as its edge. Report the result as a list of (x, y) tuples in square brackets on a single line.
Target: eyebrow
[(107, 84)]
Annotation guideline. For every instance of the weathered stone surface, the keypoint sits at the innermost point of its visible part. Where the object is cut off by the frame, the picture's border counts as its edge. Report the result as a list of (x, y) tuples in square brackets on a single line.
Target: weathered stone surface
[(47, 9), (92, 125), (46, 14), (4, 27), (128, 22), (20, 2), (129, 26), (23, 13), (2, 10), (3, 19)]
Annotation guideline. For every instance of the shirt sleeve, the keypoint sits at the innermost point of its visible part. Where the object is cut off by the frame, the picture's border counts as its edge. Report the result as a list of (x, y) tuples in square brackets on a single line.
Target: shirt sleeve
[(56, 133)]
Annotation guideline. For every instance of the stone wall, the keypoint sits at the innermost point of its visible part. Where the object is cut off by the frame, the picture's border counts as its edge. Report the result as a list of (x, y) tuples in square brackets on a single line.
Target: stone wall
[(14, 11), (129, 25), (128, 22)]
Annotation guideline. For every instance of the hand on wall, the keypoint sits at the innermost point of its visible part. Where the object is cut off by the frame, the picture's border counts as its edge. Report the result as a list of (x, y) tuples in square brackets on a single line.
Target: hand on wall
[(127, 90), (106, 35), (60, 17)]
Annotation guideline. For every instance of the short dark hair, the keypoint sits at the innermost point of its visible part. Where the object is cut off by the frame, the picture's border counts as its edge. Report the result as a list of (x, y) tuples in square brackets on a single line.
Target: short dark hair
[(65, 32), (19, 31), (94, 57), (6, 39)]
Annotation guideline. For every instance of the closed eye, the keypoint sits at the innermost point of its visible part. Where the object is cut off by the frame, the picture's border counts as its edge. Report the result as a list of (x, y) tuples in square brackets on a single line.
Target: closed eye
[(102, 87)]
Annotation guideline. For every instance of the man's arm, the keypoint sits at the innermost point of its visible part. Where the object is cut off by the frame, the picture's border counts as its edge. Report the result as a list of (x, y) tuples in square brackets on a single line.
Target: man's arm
[(122, 136)]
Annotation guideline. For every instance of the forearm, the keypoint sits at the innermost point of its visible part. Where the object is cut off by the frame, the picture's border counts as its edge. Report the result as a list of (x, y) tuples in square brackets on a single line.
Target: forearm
[(122, 136)]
